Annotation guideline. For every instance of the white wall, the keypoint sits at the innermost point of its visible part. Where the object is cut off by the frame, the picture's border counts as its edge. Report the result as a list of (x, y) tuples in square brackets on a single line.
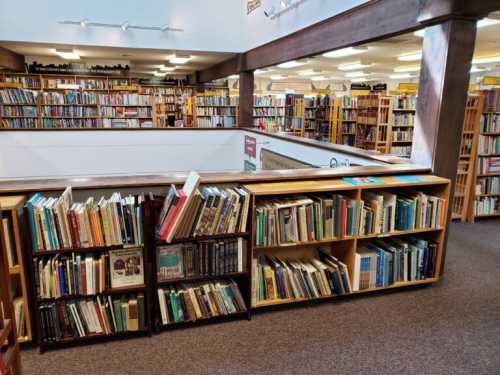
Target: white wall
[(210, 25)]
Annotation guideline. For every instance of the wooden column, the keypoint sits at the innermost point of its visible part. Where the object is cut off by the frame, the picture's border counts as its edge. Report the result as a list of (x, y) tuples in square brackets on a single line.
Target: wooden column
[(442, 94), (245, 119)]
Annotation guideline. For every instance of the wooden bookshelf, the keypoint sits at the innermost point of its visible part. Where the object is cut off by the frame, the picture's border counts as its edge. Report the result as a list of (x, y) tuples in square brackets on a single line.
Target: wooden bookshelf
[(347, 121), (294, 114), (373, 127), (345, 249), (12, 211), (215, 108), (268, 113), (402, 122), (9, 346)]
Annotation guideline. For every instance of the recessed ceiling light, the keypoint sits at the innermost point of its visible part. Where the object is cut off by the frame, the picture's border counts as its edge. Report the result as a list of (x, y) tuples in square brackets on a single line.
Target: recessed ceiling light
[(291, 64), (180, 59), (412, 56), (407, 68), (356, 74), (277, 77), (84, 23), (486, 59), (68, 54), (353, 66), (400, 76), (309, 72), (346, 52)]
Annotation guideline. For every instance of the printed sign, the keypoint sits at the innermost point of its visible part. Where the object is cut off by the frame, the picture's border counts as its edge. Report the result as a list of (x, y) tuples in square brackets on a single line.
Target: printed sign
[(250, 146), (408, 86), (75, 68), (248, 166), (252, 5), (489, 80)]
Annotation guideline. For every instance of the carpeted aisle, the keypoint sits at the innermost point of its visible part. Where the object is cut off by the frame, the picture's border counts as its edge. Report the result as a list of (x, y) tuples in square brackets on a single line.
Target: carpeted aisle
[(451, 328)]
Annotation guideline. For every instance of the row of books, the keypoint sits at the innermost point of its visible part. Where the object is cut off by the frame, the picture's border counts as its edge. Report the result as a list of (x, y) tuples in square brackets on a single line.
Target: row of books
[(490, 123), (348, 139), (69, 111), (310, 114), (207, 100), (349, 128), (48, 123), (368, 101), (348, 102), (18, 123), (405, 102), (77, 275), (191, 302), (65, 320), (191, 212), (298, 219), (124, 99), (284, 279), (367, 116), (402, 135), (18, 304), (348, 115), (126, 123), (69, 98), (294, 123), (383, 262), (402, 151), (8, 111), (18, 96), (125, 112), (205, 258), (270, 124), (488, 165), (61, 223), (268, 101), (403, 119), (267, 111), (216, 122), (488, 185), (487, 206), (491, 100), (489, 144), (27, 82), (215, 111)]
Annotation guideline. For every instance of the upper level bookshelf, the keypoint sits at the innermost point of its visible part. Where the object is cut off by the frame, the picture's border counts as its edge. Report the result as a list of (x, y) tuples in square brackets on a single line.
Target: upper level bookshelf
[(373, 126), (216, 108), (268, 112), (402, 122)]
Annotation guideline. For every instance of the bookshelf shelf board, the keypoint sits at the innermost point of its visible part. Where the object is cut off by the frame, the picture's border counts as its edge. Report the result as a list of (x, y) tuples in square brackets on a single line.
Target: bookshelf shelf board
[(487, 155), (349, 120), (20, 104), (399, 284), (309, 243), (203, 238), (14, 270), (81, 250), (399, 233), (92, 337), (213, 319), (492, 174), (23, 339), (490, 133), (488, 195), (4, 332), (488, 215), (125, 105), (403, 109), (70, 105), (201, 278), (400, 142), (402, 126), (127, 289)]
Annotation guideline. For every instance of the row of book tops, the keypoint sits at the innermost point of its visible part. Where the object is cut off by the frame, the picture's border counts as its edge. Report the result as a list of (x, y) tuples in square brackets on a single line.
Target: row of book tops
[(486, 206), (488, 165), (268, 101), (318, 217), (348, 102), (350, 129), (125, 112), (490, 123), (100, 315), (400, 135), (377, 264), (273, 124), (216, 111), (60, 223), (489, 144), (405, 102), (79, 275), (268, 111), (402, 151), (403, 119), (491, 100), (192, 211), (216, 122), (349, 115), (198, 301), (487, 185), (75, 123), (204, 258), (216, 100)]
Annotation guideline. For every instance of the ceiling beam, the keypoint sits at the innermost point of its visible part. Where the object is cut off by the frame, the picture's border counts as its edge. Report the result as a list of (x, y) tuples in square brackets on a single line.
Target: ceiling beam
[(11, 60), (369, 22)]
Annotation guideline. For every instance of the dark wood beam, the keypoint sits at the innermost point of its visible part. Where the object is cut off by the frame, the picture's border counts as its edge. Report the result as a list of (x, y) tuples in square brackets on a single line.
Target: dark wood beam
[(442, 94), (372, 21), (11, 60), (245, 116)]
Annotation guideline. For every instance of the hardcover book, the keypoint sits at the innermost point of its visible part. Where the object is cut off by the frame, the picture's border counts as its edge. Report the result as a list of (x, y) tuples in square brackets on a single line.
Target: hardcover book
[(126, 267)]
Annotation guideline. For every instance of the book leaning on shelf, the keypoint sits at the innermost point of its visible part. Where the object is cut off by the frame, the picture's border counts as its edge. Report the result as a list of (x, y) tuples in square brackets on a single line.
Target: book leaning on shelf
[(66, 320), (383, 262), (193, 212), (191, 302), (283, 279), (80, 275), (60, 223), (205, 258)]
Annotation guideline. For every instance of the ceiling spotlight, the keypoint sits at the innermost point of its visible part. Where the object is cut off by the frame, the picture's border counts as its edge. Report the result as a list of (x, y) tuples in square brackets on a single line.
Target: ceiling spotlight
[(412, 56), (291, 64), (68, 54), (125, 26), (180, 59), (270, 12), (407, 68), (362, 79), (167, 68), (84, 23), (354, 66), (346, 52)]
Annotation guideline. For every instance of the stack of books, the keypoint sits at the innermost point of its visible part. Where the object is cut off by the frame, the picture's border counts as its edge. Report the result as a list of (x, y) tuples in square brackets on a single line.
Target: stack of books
[(205, 258), (303, 219), (191, 302), (283, 279), (60, 223), (89, 317), (382, 263)]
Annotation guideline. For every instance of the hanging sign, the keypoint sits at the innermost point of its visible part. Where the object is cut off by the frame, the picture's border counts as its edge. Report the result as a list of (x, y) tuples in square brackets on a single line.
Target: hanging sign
[(248, 166), (250, 146), (379, 87)]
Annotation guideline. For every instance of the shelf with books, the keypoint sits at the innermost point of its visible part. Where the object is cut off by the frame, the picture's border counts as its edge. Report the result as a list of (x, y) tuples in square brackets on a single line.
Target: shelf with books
[(373, 127), (110, 291)]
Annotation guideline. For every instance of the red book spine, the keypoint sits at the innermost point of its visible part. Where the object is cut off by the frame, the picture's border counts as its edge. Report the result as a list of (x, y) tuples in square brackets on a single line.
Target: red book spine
[(99, 316), (84, 278), (76, 232), (172, 216), (343, 207)]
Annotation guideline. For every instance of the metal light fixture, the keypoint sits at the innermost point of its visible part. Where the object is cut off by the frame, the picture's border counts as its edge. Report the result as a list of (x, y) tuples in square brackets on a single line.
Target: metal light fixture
[(286, 5), (124, 26)]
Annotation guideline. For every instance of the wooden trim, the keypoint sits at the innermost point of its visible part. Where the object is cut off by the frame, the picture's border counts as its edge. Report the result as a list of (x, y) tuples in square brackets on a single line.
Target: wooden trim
[(246, 100)]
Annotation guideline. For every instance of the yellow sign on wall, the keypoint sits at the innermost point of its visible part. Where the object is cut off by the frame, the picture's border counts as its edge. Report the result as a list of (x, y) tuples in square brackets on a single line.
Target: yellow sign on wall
[(408, 86), (489, 80), (360, 92)]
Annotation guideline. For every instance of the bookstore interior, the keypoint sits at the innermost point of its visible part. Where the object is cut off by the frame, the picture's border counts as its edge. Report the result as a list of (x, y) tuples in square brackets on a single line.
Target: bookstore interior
[(173, 190)]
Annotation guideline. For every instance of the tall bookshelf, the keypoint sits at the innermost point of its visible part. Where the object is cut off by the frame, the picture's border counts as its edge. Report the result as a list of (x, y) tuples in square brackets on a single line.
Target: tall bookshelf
[(343, 248), (215, 108), (10, 358), (373, 126), (402, 122), (268, 113), (311, 112), (347, 120), (324, 117), (11, 208), (294, 114), (464, 186)]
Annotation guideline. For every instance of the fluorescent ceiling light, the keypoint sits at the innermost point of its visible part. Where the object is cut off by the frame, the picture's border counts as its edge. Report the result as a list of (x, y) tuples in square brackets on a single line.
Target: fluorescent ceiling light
[(234, 76), (319, 78), (477, 69), (487, 22), (486, 60), (277, 77), (291, 64), (262, 71), (353, 66), (309, 72), (361, 79), (180, 59), (412, 56), (400, 76), (420, 33), (407, 68), (68, 54), (356, 74), (159, 74), (167, 68), (345, 52)]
